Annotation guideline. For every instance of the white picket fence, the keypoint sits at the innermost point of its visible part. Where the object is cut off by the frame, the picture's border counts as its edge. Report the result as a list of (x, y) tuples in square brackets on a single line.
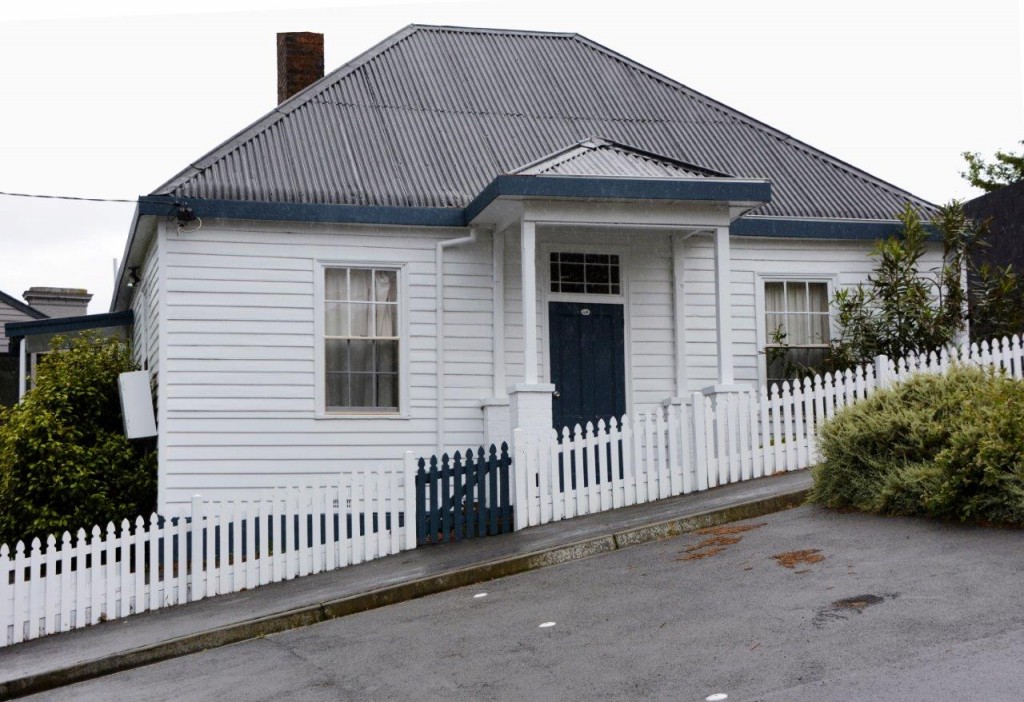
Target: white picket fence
[(219, 547), (692, 447)]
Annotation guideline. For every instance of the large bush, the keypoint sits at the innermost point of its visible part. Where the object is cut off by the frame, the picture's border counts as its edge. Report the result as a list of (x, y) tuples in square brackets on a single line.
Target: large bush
[(947, 446), (64, 460)]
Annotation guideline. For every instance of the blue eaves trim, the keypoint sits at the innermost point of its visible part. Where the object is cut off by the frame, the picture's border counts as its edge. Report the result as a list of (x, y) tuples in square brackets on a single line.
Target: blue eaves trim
[(161, 205), (858, 230), (60, 325), (698, 189)]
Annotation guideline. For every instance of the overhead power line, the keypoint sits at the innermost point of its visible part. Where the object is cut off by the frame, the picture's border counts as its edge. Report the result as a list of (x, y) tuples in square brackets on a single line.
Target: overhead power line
[(66, 197)]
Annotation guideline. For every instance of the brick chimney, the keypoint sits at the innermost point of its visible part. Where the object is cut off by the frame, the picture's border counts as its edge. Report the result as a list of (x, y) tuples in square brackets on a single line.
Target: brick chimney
[(300, 62), (58, 302)]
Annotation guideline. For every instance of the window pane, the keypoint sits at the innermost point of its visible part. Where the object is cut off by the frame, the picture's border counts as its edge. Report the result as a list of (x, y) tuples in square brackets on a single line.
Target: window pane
[(336, 318), (775, 325), (337, 387), (796, 297), (555, 287), (336, 284), (387, 357), (819, 329), (796, 329), (571, 273), (818, 297), (601, 259), (362, 386), (359, 284), (386, 320), (774, 299), (361, 356), (598, 274), (336, 355), (360, 319), (387, 390), (571, 258), (386, 286)]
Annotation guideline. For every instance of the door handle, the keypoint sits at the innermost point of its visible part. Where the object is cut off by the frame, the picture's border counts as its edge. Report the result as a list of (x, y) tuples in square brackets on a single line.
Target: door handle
[(556, 394)]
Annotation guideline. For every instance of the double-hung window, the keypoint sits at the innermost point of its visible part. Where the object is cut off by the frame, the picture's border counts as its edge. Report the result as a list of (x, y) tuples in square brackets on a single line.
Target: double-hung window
[(361, 340), (796, 327)]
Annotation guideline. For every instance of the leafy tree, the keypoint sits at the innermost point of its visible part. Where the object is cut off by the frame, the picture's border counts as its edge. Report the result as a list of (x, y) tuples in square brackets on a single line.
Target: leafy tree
[(64, 460), (1008, 167), (903, 309)]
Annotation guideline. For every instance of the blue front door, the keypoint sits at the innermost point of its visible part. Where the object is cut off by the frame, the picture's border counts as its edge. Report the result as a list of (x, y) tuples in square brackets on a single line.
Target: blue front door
[(588, 362)]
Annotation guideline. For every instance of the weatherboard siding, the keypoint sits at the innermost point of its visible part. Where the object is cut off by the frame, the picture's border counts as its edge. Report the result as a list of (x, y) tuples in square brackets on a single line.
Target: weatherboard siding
[(239, 369)]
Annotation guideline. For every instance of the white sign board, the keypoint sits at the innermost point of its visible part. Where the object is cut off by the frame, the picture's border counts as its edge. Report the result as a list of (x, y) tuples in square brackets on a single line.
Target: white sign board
[(137, 405)]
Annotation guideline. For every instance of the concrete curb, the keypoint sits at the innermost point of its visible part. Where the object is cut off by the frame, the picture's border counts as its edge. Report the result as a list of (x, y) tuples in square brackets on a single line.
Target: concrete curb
[(324, 611)]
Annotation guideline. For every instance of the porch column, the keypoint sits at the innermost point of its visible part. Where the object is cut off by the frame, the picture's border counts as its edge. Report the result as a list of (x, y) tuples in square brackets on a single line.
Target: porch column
[(528, 258), (723, 314), (530, 401), (22, 366)]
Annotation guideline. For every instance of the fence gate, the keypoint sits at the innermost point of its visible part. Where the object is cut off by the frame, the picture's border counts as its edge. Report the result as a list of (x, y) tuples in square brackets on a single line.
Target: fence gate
[(463, 496)]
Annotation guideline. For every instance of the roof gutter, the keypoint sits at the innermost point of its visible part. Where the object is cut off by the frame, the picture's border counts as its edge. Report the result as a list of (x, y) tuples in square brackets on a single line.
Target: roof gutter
[(439, 268)]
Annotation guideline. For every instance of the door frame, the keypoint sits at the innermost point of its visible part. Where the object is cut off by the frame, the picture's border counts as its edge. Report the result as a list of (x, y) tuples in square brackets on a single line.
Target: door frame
[(545, 249)]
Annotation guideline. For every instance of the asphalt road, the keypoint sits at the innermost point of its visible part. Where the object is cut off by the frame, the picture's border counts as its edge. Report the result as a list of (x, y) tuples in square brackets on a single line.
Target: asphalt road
[(873, 609)]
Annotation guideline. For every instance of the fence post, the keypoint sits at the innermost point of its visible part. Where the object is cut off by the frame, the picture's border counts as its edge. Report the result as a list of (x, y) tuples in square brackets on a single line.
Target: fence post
[(882, 379), (700, 447), (521, 503), (409, 508), (198, 585)]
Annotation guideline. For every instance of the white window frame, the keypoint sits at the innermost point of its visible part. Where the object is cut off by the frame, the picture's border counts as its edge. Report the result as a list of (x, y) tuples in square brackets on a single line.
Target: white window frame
[(319, 363), (830, 279)]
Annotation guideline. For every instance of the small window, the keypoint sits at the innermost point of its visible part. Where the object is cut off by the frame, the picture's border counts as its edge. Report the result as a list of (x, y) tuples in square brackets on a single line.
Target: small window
[(588, 274), (796, 327), (361, 341)]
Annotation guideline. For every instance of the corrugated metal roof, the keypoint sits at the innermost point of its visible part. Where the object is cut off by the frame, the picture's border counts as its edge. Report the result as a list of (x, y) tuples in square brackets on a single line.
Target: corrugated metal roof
[(600, 157), (431, 115)]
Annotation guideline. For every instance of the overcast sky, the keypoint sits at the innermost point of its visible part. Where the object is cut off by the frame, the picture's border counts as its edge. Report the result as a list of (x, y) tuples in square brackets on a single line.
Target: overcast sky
[(110, 99)]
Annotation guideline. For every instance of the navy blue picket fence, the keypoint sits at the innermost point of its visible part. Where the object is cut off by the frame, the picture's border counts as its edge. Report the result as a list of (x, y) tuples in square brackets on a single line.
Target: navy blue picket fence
[(463, 496)]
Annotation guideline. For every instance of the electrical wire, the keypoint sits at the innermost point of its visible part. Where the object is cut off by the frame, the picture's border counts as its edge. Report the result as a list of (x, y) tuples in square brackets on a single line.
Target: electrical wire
[(66, 197)]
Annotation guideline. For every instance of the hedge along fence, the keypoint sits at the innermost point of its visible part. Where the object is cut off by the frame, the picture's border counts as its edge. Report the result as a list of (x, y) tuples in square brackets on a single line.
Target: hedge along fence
[(217, 548), (690, 448)]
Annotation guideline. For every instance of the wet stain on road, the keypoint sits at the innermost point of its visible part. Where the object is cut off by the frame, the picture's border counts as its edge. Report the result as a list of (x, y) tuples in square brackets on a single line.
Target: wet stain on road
[(841, 610)]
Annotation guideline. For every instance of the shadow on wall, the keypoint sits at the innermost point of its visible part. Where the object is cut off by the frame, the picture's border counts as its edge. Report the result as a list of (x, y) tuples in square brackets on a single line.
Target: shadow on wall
[(8, 380)]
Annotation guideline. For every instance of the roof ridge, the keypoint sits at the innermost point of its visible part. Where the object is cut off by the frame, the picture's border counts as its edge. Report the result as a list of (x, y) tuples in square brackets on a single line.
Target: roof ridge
[(752, 121), (24, 307), (491, 30)]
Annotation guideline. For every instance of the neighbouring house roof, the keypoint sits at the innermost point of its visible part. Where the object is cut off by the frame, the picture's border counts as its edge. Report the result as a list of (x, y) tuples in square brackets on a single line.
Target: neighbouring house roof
[(432, 115), (66, 325), (22, 307)]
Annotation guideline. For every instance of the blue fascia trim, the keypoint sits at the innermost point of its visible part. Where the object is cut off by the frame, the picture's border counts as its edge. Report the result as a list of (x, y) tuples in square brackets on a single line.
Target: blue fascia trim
[(161, 205), (818, 229), (698, 189), (509, 185), (18, 330)]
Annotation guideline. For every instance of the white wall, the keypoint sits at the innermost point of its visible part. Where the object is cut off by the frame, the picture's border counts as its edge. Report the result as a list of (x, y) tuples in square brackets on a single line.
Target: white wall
[(236, 323), (238, 377)]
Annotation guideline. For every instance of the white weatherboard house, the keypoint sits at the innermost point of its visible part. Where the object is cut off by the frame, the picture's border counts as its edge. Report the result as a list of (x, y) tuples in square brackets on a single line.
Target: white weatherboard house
[(464, 231)]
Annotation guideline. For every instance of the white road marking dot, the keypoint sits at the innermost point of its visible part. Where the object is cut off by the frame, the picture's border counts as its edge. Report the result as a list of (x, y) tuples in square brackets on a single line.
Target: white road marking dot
[(547, 625), (478, 595), (716, 697)]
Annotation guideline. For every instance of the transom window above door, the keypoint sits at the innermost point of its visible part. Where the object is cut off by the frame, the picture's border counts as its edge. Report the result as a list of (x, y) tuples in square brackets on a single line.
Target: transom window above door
[(588, 274)]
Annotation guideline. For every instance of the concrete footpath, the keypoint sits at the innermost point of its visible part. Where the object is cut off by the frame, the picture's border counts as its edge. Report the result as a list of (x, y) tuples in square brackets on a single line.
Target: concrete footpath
[(122, 644)]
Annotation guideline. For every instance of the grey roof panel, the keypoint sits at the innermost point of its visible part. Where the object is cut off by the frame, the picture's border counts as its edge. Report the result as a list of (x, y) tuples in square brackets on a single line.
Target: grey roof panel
[(431, 115)]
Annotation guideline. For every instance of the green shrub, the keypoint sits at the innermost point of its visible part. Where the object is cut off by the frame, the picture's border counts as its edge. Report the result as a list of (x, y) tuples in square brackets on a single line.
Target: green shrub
[(64, 460), (947, 446)]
